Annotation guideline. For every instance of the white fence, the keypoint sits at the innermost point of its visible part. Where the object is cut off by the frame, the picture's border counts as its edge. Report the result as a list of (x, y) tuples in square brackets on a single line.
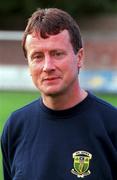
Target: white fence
[(18, 78), (15, 78), (100, 81), (11, 35)]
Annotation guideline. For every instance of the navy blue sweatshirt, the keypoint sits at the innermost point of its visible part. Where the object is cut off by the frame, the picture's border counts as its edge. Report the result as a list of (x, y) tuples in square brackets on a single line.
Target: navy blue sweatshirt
[(79, 143)]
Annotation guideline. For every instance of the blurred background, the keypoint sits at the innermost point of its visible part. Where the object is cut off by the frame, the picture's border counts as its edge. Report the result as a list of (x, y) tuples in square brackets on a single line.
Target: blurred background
[(98, 23)]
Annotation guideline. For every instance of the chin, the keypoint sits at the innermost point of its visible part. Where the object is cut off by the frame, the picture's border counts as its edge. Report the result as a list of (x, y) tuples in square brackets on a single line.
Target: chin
[(52, 94), (53, 91)]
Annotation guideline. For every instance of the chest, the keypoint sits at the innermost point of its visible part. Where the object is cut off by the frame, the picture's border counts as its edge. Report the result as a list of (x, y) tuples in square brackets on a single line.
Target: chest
[(62, 153)]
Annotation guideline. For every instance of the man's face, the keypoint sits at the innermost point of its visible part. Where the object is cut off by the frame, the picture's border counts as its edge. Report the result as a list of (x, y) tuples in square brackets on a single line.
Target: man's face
[(53, 63)]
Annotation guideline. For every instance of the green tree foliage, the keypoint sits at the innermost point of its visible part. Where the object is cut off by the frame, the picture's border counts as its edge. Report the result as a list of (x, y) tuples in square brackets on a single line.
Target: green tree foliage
[(74, 6), (24, 8)]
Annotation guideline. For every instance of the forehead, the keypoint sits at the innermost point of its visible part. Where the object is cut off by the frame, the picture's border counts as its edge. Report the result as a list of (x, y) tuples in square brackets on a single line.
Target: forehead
[(61, 39)]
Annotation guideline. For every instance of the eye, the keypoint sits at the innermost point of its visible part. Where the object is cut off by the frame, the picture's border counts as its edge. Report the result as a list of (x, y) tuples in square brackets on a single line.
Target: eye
[(37, 57), (58, 54)]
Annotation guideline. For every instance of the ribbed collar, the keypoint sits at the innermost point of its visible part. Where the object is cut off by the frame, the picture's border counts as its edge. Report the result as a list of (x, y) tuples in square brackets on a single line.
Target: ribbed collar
[(79, 108)]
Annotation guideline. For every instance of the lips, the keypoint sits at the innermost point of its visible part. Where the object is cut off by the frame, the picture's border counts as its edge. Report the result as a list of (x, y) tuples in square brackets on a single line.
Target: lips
[(53, 78), (49, 79)]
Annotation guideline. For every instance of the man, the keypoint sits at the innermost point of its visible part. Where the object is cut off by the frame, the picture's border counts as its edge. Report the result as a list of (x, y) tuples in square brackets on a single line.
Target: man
[(67, 133)]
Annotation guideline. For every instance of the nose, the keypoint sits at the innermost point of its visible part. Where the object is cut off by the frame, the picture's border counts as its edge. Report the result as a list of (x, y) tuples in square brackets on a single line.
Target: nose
[(48, 64)]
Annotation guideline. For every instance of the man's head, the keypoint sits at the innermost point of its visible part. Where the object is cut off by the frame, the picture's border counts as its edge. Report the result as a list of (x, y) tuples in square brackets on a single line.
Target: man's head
[(51, 22), (53, 47)]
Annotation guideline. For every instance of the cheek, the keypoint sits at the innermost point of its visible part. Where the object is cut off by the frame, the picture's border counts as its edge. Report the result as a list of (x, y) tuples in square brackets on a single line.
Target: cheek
[(69, 66), (72, 66), (34, 70), (36, 78), (35, 75), (70, 72)]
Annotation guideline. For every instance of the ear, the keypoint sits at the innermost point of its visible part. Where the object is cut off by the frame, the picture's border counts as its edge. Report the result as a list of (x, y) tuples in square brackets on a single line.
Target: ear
[(80, 57)]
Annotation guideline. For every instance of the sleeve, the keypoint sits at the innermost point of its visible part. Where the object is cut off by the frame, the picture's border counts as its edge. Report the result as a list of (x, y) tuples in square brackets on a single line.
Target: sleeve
[(5, 154)]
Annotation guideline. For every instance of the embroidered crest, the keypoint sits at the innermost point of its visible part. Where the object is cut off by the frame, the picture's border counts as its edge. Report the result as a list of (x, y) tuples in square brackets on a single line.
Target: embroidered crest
[(81, 163)]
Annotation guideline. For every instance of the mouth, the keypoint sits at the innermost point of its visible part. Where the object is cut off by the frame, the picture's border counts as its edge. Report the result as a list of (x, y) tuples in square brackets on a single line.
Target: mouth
[(51, 79)]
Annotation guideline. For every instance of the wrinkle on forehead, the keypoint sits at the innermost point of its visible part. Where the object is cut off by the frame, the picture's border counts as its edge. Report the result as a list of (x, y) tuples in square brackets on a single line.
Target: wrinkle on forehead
[(36, 34), (60, 39)]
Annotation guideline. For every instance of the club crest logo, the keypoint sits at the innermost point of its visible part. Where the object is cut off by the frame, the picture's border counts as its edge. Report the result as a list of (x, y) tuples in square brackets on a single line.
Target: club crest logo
[(81, 163)]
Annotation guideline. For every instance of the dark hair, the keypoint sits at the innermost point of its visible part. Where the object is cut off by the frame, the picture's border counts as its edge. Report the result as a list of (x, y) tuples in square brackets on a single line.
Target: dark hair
[(52, 21)]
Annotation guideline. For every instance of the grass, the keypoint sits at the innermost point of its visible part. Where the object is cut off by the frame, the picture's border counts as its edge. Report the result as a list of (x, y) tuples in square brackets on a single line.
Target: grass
[(111, 98), (10, 101)]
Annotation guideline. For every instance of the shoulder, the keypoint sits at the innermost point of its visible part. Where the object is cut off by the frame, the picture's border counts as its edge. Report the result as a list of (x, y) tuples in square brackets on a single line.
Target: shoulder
[(25, 112), (19, 119), (106, 111), (31, 107), (102, 105)]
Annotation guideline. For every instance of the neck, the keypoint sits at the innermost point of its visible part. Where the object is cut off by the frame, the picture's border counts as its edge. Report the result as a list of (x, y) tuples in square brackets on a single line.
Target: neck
[(62, 102)]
